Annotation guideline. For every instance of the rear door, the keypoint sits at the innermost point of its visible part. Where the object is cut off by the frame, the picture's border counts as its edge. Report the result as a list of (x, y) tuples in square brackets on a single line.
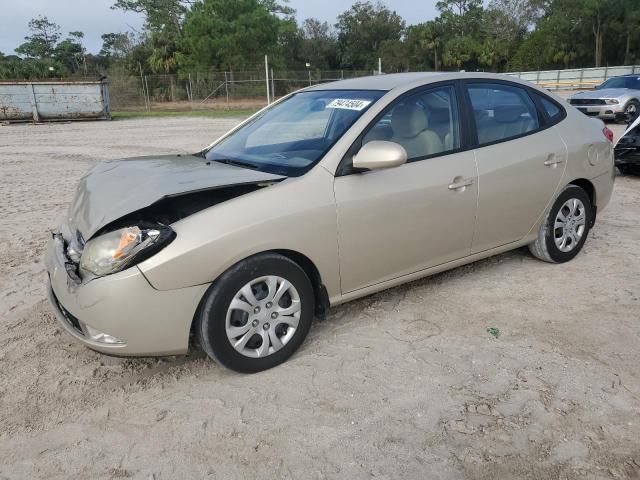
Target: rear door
[(520, 161)]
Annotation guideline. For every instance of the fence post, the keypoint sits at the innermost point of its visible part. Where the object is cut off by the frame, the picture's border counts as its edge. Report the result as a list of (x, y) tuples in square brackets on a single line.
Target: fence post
[(226, 88), (558, 80), (266, 77), (144, 92), (146, 82), (581, 76), (273, 88), (538, 78), (606, 69), (190, 89)]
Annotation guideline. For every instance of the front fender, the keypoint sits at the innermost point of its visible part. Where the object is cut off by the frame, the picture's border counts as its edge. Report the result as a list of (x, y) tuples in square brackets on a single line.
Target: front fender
[(297, 214)]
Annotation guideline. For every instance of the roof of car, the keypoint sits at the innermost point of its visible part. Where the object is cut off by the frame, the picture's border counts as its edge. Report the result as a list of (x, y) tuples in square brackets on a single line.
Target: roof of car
[(377, 82), (395, 80)]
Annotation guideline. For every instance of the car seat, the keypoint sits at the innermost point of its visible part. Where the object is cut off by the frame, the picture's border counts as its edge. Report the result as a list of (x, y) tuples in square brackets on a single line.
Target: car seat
[(410, 123)]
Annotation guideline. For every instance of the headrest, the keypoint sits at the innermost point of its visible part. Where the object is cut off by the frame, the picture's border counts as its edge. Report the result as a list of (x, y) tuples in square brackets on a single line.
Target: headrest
[(508, 113), (408, 120), (439, 115)]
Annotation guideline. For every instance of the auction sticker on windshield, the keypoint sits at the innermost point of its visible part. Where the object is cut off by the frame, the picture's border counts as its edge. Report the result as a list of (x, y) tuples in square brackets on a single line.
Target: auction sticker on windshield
[(349, 104)]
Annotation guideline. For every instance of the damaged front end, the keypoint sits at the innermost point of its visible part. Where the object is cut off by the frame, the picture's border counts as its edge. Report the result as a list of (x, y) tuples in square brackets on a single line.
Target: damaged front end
[(123, 210), (627, 150)]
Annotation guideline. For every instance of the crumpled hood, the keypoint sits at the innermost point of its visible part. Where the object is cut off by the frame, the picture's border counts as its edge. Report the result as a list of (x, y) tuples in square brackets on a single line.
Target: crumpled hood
[(115, 188), (604, 93)]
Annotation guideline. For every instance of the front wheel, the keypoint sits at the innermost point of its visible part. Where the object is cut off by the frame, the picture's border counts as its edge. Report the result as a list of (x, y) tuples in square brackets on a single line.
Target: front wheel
[(565, 229), (257, 314), (631, 109)]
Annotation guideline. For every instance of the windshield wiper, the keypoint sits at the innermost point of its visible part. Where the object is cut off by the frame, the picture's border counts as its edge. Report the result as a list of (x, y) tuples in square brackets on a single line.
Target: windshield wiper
[(237, 163)]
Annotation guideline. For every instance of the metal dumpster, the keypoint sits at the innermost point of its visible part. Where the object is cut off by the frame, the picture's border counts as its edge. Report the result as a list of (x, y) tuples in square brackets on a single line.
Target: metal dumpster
[(47, 100)]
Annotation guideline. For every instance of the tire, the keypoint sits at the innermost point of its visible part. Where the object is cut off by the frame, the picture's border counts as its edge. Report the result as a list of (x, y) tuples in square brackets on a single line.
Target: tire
[(631, 109), (545, 247), (217, 322)]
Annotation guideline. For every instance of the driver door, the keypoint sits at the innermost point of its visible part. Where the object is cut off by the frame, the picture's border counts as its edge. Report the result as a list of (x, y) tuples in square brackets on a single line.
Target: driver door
[(397, 221)]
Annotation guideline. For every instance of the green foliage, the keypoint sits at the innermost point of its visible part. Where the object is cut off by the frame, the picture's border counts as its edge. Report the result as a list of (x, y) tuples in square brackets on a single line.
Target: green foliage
[(42, 41), (230, 34), (183, 36), (319, 45), (363, 29), (71, 53)]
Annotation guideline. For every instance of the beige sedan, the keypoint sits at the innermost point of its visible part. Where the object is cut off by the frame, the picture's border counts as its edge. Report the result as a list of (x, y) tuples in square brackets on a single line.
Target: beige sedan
[(334, 192)]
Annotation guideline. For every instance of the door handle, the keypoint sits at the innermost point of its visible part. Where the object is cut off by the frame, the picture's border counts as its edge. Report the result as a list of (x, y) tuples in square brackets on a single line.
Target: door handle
[(460, 182), (552, 161)]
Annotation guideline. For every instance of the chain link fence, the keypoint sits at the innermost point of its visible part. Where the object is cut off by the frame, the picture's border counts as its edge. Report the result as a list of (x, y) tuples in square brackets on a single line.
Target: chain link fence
[(248, 90), (215, 90)]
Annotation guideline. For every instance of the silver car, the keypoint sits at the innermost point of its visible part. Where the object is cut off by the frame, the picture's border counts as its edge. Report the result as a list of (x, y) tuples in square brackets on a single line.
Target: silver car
[(332, 193), (618, 97)]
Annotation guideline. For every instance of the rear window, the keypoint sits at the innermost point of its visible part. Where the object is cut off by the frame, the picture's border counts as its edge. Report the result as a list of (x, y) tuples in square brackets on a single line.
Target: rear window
[(501, 111), (554, 112)]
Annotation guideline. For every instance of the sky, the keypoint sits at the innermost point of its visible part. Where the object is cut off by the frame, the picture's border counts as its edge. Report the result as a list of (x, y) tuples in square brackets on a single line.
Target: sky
[(94, 17)]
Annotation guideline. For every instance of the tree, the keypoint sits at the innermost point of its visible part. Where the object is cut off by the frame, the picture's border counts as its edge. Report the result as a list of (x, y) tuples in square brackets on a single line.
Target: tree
[(506, 24), (229, 34), (71, 53), (458, 7), (43, 39), (631, 28), (163, 24), (160, 15), (461, 17), (424, 43), (599, 14), (362, 30), (116, 45), (319, 44)]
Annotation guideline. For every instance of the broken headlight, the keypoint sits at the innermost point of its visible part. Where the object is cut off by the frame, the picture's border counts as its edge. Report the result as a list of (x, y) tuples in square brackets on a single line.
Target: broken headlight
[(117, 250)]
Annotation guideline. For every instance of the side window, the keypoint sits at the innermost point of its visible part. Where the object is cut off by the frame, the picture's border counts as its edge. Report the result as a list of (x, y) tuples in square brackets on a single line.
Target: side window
[(553, 111), (501, 111), (424, 123)]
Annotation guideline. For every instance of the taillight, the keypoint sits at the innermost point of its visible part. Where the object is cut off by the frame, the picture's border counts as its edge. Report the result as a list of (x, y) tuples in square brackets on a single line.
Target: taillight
[(608, 133)]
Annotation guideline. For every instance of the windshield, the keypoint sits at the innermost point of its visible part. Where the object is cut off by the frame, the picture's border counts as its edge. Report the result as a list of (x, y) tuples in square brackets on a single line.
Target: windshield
[(292, 136), (622, 82)]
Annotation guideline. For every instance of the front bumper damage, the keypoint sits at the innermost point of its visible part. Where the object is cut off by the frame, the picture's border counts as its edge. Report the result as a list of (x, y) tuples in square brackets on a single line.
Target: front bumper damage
[(121, 313)]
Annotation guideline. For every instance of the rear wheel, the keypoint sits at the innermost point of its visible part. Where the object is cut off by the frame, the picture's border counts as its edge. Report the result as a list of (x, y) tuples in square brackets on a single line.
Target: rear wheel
[(257, 314), (565, 229)]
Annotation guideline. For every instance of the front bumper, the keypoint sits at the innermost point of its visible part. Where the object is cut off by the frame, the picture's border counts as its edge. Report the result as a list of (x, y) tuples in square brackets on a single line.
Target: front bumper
[(123, 305), (606, 112)]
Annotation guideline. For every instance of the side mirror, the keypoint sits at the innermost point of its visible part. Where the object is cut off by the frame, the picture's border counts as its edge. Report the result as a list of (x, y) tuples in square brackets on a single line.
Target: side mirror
[(380, 154)]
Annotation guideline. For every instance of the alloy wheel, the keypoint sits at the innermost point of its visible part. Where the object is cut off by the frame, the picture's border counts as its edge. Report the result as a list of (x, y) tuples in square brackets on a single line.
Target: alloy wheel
[(570, 225)]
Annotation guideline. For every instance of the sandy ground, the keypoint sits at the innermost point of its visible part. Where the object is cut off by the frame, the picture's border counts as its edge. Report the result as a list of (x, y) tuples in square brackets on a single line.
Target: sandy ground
[(404, 384)]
